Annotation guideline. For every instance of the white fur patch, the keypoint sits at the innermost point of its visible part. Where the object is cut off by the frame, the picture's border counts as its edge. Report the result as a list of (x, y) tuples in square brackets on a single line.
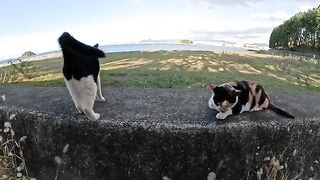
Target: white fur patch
[(211, 103), (84, 93), (100, 98), (222, 115), (246, 107), (235, 102)]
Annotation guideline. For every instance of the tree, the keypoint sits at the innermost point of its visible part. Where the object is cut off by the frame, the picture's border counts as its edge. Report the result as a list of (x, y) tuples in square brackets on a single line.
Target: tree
[(301, 32)]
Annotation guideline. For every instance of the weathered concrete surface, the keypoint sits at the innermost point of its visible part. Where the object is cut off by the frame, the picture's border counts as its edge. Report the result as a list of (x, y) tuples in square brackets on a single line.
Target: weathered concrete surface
[(152, 133)]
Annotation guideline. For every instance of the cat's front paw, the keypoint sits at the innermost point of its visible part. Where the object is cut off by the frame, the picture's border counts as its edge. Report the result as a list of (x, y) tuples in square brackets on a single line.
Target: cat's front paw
[(221, 115), (100, 99)]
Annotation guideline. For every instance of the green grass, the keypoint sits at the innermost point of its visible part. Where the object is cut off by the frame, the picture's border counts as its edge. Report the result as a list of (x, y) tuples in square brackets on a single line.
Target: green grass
[(188, 69)]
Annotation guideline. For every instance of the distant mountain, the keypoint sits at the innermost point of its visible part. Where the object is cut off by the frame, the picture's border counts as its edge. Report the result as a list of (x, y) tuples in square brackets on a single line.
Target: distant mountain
[(158, 41), (185, 41), (189, 41), (261, 44), (27, 54), (224, 41)]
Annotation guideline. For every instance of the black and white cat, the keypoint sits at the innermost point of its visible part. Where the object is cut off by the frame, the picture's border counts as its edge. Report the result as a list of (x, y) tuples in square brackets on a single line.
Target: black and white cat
[(239, 96), (81, 72)]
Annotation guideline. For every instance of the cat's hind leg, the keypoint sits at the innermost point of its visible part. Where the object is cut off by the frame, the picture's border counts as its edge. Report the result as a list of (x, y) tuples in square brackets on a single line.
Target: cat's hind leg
[(91, 114), (88, 96), (77, 102), (79, 108), (99, 98), (75, 94), (87, 105)]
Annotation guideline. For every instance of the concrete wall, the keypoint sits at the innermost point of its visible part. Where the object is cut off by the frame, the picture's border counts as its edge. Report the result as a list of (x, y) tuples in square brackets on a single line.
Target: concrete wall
[(115, 150)]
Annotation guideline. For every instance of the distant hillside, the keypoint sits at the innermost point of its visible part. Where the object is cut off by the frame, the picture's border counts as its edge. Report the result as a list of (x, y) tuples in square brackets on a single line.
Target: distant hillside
[(185, 41), (27, 54)]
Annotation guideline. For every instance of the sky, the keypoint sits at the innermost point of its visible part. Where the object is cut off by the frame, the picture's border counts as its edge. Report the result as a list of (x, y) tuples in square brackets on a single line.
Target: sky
[(35, 25)]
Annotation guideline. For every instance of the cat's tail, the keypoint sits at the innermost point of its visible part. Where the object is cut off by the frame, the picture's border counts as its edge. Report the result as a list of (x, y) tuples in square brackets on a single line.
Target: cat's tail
[(69, 43), (279, 111)]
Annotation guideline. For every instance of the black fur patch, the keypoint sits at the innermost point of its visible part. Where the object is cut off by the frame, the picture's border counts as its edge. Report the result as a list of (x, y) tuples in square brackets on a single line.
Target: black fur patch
[(263, 96), (222, 94), (236, 109), (244, 88), (253, 103), (80, 60)]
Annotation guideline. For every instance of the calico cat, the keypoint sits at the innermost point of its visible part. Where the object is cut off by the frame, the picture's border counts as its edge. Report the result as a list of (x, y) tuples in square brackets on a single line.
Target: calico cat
[(239, 96), (81, 73)]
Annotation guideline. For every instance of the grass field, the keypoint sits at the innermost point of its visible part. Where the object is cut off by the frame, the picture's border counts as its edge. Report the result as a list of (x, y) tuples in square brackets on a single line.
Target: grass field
[(182, 69)]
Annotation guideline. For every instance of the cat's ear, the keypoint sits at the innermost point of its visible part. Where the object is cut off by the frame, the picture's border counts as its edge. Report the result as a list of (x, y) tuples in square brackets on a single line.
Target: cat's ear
[(211, 86), (235, 92), (96, 45)]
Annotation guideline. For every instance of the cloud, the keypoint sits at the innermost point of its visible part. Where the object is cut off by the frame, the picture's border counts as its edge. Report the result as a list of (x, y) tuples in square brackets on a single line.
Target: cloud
[(242, 2), (236, 35), (227, 2), (138, 2), (36, 42), (258, 30), (246, 36), (305, 7), (277, 15)]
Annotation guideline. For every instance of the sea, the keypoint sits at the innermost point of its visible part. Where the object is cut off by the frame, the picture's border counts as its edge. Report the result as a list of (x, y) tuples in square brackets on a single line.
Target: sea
[(170, 47), (140, 47)]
